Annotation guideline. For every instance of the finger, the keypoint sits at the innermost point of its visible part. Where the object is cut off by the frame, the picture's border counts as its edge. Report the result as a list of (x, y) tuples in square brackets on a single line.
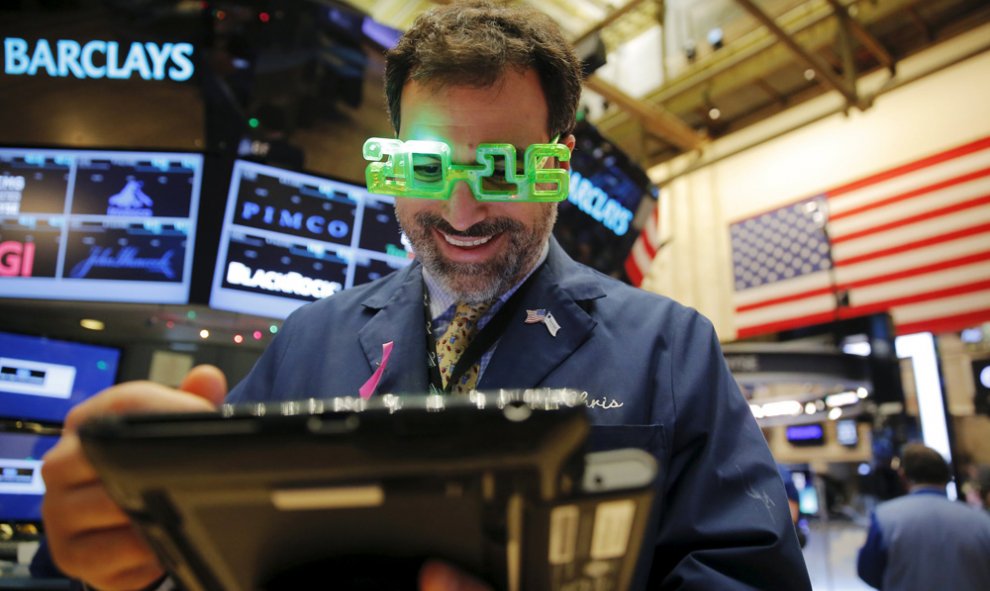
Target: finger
[(65, 467), (206, 381), (140, 577), (83, 508), (440, 576), (110, 559), (77, 505), (130, 397)]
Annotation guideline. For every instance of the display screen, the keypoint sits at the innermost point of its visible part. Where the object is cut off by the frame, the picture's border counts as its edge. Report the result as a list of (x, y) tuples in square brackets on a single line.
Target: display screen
[(846, 433), (98, 225), (594, 224), (21, 486), (290, 238), (813, 434), (41, 378)]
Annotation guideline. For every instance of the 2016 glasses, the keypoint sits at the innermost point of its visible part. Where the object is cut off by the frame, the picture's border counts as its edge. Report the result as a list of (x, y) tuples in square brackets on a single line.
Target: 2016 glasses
[(423, 169)]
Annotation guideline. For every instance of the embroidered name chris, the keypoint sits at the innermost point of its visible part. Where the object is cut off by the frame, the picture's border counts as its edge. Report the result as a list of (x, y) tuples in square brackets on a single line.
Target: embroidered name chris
[(603, 402)]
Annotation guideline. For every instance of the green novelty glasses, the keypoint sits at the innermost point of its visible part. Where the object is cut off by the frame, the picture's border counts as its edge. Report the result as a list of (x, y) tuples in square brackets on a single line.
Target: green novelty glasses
[(423, 169)]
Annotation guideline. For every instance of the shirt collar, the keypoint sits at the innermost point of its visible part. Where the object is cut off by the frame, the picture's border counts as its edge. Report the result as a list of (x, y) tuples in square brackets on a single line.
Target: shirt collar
[(928, 490), (441, 301)]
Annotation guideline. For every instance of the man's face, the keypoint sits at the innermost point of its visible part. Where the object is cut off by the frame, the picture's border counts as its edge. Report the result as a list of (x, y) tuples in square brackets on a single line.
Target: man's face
[(477, 249)]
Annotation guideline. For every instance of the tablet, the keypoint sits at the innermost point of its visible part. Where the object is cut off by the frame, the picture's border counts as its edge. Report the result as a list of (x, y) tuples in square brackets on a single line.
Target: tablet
[(357, 494)]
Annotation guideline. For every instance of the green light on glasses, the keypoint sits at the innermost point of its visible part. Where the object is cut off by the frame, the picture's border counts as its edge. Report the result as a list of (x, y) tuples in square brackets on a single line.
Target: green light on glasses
[(423, 169)]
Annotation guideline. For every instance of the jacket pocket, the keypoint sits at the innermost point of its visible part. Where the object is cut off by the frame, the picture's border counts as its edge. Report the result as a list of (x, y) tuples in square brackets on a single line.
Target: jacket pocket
[(646, 437)]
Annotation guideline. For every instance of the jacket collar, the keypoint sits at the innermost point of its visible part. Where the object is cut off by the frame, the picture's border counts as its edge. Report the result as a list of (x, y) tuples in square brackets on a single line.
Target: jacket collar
[(398, 317), (525, 353)]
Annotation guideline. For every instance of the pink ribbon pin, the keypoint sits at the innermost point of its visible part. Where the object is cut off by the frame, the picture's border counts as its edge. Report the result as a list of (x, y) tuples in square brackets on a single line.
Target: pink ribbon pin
[(369, 387)]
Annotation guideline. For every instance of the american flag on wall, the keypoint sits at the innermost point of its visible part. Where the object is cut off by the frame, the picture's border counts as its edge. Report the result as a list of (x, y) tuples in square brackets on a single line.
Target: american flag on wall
[(913, 241), (645, 248)]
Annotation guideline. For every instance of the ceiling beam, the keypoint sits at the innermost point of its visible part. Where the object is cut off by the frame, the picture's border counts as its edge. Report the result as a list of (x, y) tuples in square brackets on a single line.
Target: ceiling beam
[(921, 23), (608, 20), (654, 118), (871, 43), (822, 70), (845, 40), (770, 91)]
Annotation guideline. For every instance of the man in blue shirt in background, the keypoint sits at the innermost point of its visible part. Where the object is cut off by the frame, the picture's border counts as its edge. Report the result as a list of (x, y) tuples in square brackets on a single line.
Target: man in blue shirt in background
[(923, 541)]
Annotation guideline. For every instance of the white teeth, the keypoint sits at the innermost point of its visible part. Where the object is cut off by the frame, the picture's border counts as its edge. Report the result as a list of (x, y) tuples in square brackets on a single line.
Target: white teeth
[(466, 243)]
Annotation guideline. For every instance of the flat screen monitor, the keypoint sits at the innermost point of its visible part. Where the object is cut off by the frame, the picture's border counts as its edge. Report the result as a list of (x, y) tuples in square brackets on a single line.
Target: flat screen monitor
[(811, 434), (289, 238), (594, 224), (846, 432), (804, 482), (21, 486), (42, 378), (98, 225)]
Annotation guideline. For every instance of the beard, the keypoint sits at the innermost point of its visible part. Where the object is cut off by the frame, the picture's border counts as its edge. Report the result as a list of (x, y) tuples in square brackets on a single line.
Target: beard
[(482, 282)]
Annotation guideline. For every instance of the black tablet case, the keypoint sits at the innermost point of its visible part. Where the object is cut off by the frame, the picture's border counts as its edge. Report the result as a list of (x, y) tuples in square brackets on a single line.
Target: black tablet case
[(357, 494)]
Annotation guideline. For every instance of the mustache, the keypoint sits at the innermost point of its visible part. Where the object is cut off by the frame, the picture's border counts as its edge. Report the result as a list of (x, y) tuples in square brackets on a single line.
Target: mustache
[(487, 227)]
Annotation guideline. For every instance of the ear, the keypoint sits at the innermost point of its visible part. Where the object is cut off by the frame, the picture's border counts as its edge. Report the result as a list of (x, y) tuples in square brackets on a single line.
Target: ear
[(570, 142)]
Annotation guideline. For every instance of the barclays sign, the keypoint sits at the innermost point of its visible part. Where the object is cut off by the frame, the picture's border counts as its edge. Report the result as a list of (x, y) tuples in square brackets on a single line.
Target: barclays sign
[(98, 59), (595, 202)]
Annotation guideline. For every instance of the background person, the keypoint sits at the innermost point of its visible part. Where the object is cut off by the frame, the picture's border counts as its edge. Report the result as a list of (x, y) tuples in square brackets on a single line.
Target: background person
[(924, 541)]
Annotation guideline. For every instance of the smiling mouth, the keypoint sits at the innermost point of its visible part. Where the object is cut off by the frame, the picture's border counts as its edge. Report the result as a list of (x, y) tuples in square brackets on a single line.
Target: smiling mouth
[(466, 242)]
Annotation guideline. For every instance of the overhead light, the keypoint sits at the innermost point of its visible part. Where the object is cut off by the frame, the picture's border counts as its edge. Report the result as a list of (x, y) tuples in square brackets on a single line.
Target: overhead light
[(714, 113), (809, 74), (690, 51), (810, 408), (861, 348), (92, 324), (715, 38), (841, 399), (834, 414), (204, 334), (757, 410), (862, 393), (971, 335), (782, 408)]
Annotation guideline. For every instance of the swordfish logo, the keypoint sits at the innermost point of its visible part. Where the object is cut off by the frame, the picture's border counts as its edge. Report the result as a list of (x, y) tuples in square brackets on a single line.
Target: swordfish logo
[(126, 258)]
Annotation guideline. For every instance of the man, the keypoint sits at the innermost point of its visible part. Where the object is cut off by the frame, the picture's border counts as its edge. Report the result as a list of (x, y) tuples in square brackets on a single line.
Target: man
[(464, 75), (923, 540)]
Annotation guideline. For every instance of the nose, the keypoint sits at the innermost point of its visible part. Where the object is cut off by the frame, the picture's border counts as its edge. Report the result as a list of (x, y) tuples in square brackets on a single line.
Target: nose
[(462, 210)]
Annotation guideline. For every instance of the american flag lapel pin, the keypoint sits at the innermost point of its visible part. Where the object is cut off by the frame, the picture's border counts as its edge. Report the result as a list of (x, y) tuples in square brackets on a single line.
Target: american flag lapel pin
[(543, 316)]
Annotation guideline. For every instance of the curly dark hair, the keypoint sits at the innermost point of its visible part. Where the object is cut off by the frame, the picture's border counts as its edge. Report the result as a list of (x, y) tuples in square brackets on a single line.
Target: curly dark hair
[(924, 465), (473, 43)]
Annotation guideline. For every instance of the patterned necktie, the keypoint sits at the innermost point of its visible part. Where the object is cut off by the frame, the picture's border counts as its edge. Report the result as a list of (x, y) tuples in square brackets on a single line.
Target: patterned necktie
[(455, 341)]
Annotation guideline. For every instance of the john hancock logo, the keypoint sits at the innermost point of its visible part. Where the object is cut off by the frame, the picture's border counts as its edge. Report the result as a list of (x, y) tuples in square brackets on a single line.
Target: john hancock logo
[(131, 200), (126, 258)]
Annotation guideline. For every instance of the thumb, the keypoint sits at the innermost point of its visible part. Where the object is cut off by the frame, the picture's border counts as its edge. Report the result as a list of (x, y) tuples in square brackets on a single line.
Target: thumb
[(206, 381)]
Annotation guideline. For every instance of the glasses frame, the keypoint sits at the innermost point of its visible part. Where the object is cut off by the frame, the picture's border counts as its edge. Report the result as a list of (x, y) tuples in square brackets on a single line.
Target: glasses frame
[(390, 171)]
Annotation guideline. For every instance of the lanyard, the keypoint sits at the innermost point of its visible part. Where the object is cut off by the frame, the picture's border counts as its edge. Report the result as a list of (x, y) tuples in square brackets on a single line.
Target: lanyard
[(482, 341)]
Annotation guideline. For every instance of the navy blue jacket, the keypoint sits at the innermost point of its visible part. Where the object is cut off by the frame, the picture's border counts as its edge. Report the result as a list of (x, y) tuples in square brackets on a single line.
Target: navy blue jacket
[(924, 541), (655, 379)]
